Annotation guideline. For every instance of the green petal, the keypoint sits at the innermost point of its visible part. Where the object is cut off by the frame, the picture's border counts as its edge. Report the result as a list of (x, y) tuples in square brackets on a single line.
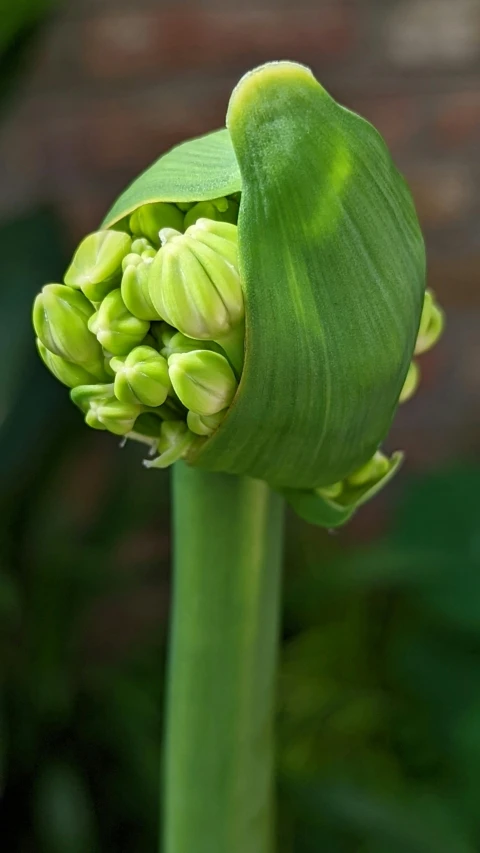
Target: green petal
[(332, 261), (200, 169)]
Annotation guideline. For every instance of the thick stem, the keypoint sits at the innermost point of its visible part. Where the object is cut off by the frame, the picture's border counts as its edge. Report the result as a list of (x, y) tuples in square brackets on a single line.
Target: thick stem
[(219, 744)]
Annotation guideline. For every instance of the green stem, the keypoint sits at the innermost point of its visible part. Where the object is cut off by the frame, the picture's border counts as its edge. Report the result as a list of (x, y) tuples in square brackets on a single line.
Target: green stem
[(219, 742)]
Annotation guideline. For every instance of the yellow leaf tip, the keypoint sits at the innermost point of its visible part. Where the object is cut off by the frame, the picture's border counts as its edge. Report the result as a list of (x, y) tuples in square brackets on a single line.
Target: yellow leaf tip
[(271, 75)]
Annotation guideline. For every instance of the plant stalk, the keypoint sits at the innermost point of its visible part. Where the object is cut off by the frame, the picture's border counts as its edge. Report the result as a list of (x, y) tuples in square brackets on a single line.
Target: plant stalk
[(218, 782)]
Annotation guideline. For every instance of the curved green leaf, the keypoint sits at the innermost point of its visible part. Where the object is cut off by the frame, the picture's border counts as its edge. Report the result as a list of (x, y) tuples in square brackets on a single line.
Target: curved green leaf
[(332, 261), (200, 169)]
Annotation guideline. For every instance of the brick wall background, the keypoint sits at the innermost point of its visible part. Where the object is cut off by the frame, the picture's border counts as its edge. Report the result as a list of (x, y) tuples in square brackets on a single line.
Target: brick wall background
[(113, 84)]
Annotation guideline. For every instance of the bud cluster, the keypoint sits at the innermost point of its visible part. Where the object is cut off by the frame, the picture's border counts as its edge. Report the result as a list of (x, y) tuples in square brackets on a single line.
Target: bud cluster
[(148, 327)]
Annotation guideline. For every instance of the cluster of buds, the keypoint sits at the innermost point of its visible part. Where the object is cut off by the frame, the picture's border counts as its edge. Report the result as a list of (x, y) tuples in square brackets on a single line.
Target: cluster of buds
[(147, 328)]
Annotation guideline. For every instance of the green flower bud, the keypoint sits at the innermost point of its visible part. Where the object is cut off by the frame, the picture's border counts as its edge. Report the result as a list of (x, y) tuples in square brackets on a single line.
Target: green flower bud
[(141, 244), (132, 259), (65, 371), (205, 424), (141, 377), (148, 220), (60, 318), (202, 380), (135, 291), (103, 411), (197, 289), (220, 209), (178, 343), (174, 443), (115, 327), (431, 324), (373, 470), (332, 492), (97, 263), (411, 383), (185, 205)]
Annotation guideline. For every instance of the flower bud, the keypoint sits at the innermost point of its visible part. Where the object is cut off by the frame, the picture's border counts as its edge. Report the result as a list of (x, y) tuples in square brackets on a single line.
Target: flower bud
[(205, 424), (140, 245), (115, 327), (178, 343), (411, 383), (65, 371), (135, 291), (141, 377), (431, 324), (195, 287), (60, 318), (174, 443), (330, 493), (220, 209), (148, 220), (202, 380), (97, 263), (373, 470), (103, 411)]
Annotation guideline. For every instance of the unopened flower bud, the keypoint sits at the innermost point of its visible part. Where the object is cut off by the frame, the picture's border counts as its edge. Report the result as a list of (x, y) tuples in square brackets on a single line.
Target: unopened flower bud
[(431, 324), (65, 371), (115, 327), (60, 318), (141, 244), (332, 492), (197, 289), (411, 383), (148, 220), (135, 292), (178, 343), (373, 470), (97, 264), (205, 424), (103, 411), (141, 377), (202, 380), (220, 209), (174, 443)]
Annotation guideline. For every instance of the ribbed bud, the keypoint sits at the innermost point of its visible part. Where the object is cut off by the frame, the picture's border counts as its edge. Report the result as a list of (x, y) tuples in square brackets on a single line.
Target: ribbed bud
[(141, 377), (411, 383), (202, 380), (431, 324), (178, 343), (103, 411), (205, 424), (97, 263), (65, 371), (141, 245), (220, 209), (60, 319), (115, 327), (174, 443), (149, 219), (134, 288), (195, 287), (373, 470)]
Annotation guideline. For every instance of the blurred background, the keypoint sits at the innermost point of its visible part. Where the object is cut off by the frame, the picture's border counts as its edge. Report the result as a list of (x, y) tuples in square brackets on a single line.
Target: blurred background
[(378, 724)]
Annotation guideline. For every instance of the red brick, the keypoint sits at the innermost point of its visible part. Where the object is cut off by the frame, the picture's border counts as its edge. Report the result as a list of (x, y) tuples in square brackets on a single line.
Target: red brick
[(190, 37)]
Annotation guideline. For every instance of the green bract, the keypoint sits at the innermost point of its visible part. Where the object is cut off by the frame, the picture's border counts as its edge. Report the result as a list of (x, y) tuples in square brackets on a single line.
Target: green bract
[(278, 265)]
